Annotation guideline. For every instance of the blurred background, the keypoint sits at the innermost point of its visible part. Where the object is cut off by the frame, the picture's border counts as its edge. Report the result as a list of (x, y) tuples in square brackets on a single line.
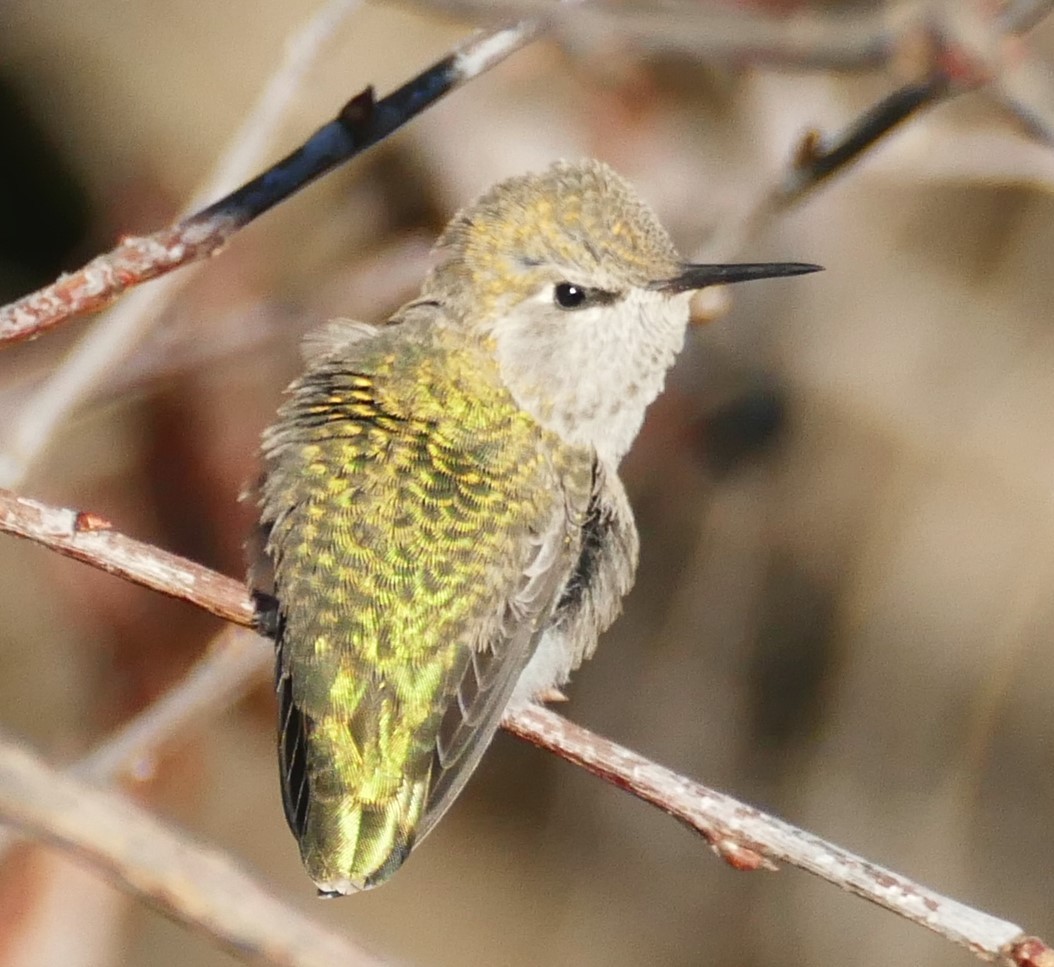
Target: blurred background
[(846, 593)]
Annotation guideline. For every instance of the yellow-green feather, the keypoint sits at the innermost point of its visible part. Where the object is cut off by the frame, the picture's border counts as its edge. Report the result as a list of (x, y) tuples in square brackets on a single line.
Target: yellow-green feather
[(404, 489)]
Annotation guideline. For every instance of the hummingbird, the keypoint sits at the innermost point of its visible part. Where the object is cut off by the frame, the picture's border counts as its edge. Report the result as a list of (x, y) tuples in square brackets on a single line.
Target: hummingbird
[(443, 532)]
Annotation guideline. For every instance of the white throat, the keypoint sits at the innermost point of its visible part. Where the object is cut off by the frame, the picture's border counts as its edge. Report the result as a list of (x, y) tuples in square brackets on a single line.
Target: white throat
[(590, 374)]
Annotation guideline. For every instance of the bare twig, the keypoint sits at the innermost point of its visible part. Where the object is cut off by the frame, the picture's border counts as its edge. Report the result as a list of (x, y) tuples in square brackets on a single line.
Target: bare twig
[(231, 663), (360, 124), (958, 63), (749, 34), (707, 32), (90, 538), (197, 886), (978, 45), (246, 149), (815, 161), (114, 337), (744, 836), (750, 839)]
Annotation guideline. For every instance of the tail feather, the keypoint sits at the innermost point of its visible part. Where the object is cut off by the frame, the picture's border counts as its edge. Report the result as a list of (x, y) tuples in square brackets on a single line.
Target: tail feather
[(349, 845)]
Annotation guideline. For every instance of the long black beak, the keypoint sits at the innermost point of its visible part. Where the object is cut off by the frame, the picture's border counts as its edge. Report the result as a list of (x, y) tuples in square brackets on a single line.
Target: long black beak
[(700, 276)]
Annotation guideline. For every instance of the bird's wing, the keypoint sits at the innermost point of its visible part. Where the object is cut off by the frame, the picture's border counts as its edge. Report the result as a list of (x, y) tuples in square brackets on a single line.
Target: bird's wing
[(494, 666), (420, 529), (589, 599), (604, 572)]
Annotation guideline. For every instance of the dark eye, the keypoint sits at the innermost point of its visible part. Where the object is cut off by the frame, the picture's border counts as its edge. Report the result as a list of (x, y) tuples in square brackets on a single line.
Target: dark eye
[(569, 296)]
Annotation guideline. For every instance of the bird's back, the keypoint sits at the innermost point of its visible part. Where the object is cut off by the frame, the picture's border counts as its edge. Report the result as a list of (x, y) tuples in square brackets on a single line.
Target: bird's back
[(407, 500)]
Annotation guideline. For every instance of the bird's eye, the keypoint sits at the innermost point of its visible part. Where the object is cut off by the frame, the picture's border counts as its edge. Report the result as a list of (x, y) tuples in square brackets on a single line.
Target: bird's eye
[(569, 296)]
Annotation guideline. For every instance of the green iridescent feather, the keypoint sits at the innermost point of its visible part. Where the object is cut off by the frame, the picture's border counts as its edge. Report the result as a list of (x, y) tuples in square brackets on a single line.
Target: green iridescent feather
[(420, 528)]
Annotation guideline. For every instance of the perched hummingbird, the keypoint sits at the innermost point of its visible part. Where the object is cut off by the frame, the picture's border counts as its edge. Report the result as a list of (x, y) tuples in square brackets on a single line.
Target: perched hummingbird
[(443, 529)]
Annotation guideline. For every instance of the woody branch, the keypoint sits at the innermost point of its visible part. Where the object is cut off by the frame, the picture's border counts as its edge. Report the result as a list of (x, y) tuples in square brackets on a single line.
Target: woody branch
[(944, 70), (965, 49), (745, 837), (361, 123), (945, 49), (191, 883)]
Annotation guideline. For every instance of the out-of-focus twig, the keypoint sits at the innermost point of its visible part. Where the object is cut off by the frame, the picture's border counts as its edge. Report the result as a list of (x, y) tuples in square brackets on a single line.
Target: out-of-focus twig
[(1021, 16), (84, 291), (817, 161), (744, 836), (360, 124), (747, 33), (716, 31), (198, 886), (230, 665), (221, 676), (980, 45)]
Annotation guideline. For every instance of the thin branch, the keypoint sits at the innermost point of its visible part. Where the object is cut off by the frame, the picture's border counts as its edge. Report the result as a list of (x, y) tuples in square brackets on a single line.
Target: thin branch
[(190, 882), (90, 538), (222, 675), (816, 162), (1021, 16), (750, 839), (750, 34), (980, 46), (816, 159), (116, 335), (219, 678), (846, 41), (743, 835), (955, 66), (246, 149), (360, 124)]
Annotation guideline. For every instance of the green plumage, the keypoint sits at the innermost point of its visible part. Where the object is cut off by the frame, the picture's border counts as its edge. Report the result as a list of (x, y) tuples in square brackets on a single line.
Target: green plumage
[(406, 497), (444, 527)]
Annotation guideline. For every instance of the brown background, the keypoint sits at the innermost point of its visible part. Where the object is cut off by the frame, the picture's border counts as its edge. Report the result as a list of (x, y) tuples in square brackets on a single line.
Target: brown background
[(844, 607)]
